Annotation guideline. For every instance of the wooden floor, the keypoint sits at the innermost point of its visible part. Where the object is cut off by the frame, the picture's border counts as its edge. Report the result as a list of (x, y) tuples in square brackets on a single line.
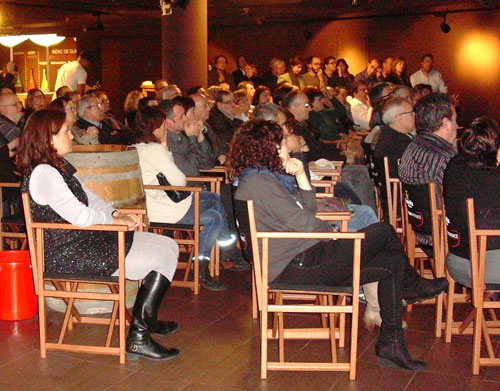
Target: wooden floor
[(219, 347)]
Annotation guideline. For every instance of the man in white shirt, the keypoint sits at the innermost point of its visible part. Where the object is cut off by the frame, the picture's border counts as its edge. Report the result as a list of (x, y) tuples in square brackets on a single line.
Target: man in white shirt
[(427, 75), (361, 109), (74, 74)]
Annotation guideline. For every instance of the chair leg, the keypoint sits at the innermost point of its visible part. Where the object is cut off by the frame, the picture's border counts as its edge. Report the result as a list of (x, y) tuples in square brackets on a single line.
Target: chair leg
[(342, 300), (263, 338), (439, 315), (332, 322), (449, 309), (281, 329), (476, 349)]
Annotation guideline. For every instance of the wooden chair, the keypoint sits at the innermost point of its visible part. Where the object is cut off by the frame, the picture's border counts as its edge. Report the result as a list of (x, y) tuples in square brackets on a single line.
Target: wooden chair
[(271, 297), (481, 294), (12, 225), (190, 241), (393, 194), (66, 288)]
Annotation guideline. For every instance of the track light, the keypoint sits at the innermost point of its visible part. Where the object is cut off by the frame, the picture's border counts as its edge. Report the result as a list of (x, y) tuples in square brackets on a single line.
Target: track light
[(445, 27)]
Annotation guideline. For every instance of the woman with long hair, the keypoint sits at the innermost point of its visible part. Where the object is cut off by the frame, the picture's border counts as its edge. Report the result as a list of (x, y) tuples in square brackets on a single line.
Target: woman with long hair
[(156, 160), (259, 158), (57, 195)]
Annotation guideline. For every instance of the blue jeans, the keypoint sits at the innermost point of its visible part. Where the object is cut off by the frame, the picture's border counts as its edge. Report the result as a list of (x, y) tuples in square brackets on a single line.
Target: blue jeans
[(214, 221), (362, 217)]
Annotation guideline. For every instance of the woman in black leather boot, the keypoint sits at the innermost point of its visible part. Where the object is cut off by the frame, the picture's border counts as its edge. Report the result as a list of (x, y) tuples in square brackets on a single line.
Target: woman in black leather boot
[(57, 195), (145, 322), (259, 156)]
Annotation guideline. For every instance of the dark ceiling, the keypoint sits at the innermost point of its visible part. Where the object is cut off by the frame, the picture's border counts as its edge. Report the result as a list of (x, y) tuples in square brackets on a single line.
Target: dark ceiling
[(70, 16)]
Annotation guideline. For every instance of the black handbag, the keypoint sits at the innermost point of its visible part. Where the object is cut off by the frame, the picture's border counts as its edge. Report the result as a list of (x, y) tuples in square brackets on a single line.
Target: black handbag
[(175, 195)]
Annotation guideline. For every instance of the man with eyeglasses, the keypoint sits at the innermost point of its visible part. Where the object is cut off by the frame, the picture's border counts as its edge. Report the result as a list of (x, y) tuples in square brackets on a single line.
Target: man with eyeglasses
[(329, 69), (91, 127), (222, 118), (11, 113), (314, 76)]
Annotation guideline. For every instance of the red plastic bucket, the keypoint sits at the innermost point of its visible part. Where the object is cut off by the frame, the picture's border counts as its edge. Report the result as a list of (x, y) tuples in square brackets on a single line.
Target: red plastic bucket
[(17, 291)]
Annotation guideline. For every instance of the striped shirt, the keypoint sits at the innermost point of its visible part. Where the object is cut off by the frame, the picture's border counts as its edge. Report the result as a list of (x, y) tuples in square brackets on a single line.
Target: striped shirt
[(424, 161)]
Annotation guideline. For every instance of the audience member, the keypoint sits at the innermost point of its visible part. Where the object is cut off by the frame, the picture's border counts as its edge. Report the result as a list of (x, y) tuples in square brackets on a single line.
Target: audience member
[(74, 73), (314, 75), (292, 77), (427, 75), (372, 73), (218, 76), (270, 78)]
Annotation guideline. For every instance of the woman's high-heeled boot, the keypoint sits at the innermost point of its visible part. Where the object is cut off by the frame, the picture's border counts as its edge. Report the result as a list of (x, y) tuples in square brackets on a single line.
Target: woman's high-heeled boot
[(371, 317), (391, 351), (139, 341)]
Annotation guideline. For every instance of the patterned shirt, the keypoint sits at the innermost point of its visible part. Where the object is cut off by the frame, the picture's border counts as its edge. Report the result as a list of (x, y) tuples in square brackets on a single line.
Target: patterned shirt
[(424, 161)]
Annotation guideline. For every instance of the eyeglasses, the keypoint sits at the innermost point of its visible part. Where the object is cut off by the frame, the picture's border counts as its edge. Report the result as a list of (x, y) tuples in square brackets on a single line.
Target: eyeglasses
[(307, 104), (96, 104), (389, 95)]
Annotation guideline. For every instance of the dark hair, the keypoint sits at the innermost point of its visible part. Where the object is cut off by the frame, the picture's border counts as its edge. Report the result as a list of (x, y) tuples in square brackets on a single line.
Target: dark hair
[(144, 102), (35, 146), (430, 111), (295, 60), (480, 143), (255, 144), (186, 102), (326, 60), (258, 92), (289, 99), (89, 56), (147, 120), (420, 87), (219, 56), (167, 105), (342, 61), (59, 104), (312, 93), (280, 93), (220, 94), (193, 90), (427, 55), (356, 84), (31, 94), (375, 92), (296, 127)]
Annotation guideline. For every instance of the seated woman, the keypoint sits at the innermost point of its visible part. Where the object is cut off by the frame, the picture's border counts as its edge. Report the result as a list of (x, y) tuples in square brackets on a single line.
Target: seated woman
[(474, 173), (155, 158), (258, 155), (57, 195)]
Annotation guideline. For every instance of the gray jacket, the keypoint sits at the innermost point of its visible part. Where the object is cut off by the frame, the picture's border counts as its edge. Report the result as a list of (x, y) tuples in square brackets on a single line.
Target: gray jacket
[(278, 210)]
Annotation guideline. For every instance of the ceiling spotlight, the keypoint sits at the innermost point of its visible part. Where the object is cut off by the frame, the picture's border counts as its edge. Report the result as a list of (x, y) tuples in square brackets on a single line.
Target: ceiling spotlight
[(166, 7), (445, 27)]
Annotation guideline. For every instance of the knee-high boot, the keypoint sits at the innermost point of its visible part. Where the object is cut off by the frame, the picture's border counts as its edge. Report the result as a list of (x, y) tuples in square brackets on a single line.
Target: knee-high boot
[(139, 341), (371, 317)]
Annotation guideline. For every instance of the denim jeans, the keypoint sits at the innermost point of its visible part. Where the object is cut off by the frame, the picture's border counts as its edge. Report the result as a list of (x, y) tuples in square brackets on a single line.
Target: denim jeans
[(362, 217), (212, 218)]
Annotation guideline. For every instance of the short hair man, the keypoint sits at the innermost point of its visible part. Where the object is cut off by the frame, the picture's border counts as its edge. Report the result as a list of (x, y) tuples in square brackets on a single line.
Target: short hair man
[(74, 74), (314, 76), (11, 112), (239, 74), (427, 75), (372, 73), (361, 109), (222, 119), (189, 147), (387, 67), (329, 68), (427, 156), (171, 91), (91, 127)]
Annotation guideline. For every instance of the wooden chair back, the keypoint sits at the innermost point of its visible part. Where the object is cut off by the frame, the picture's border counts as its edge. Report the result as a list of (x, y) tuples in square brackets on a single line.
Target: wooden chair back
[(190, 238), (67, 288), (260, 246), (11, 225), (481, 293), (394, 199)]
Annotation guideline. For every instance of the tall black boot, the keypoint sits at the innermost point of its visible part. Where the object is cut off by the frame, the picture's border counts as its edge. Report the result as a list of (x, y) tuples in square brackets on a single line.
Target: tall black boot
[(139, 341), (391, 351)]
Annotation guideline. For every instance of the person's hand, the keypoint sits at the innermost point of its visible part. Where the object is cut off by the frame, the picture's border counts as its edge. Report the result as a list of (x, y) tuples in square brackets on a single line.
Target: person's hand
[(92, 131), (130, 220), (456, 99), (222, 159), (193, 128), (10, 67), (320, 72), (294, 167)]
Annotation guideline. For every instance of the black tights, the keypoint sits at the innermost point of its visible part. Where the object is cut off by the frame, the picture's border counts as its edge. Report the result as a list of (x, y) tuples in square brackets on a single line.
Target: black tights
[(382, 259)]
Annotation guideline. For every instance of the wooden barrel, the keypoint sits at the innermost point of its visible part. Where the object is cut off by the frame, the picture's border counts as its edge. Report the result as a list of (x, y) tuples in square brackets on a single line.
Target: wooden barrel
[(110, 171)]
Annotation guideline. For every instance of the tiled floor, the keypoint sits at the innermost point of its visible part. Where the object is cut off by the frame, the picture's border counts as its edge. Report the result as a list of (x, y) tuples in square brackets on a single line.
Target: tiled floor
[(220, 351)]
